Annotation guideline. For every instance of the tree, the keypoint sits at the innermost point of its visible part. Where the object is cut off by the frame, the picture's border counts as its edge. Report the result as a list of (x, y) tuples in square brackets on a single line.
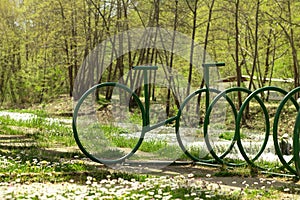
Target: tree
[(44, 42)]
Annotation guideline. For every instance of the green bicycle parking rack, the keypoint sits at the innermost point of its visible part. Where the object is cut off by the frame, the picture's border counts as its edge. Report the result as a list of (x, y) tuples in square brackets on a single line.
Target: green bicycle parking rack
[(292, 166)]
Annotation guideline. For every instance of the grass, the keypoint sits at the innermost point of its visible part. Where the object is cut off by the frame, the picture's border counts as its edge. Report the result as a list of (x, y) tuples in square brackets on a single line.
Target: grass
[(178, 187), (44, 133), (229, 135), (238, 171), (198, 152), (136, 118), (114, 135), (102, 102), (38, 112), (260, 194), (52, 170), (9, 130), (32, 152)]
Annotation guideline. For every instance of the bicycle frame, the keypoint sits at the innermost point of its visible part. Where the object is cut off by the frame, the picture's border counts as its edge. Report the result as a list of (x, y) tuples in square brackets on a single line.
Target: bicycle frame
[(238, 113), (147, 100), (174, 118)]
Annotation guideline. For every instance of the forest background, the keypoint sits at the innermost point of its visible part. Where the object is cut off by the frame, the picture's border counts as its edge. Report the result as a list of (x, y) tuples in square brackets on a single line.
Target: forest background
[(43, 43)]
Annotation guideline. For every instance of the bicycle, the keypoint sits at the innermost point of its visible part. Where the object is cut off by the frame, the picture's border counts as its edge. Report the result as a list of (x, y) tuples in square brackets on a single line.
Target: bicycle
[(98, 145)]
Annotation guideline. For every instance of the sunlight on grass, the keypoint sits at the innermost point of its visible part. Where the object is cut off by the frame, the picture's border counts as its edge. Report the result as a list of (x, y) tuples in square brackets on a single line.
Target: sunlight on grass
[(33, 165), (44, 132)]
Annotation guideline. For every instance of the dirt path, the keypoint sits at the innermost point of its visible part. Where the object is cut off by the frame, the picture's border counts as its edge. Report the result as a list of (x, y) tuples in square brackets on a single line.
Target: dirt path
[(286, 187)]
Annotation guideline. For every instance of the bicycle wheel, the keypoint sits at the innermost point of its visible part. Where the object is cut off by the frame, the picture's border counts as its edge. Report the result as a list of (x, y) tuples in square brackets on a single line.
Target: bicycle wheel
[(254, 141), (258, 154), (189, 127), (108, 123), (281, 111), (296, 143)]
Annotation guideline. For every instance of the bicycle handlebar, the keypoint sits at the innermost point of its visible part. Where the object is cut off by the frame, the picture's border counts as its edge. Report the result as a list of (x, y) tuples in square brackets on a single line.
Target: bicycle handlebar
[(218, 64), (145, 67)]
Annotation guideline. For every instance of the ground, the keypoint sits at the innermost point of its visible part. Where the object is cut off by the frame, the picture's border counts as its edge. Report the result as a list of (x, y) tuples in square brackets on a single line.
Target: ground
[(226, 179)]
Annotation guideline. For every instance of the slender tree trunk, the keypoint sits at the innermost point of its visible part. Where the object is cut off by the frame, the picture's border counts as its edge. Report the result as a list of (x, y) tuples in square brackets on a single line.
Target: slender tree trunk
[(194, 28), (290, 36), (171, 58), (273, 60), (268, 57), (73, 68), (294, 50), (154, 51), (255, 56), (237, 64), (204, 50)]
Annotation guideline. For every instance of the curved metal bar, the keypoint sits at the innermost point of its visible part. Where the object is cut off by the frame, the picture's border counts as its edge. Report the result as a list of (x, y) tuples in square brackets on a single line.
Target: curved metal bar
[(237, 116), (288, 96), (237, 134), (177, 124), (185, 102), (240, 114), (296, 148), (74, 122)]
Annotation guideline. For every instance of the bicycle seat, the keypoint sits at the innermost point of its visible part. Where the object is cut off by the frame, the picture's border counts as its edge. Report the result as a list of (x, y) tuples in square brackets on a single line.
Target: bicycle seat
[(145, 67)]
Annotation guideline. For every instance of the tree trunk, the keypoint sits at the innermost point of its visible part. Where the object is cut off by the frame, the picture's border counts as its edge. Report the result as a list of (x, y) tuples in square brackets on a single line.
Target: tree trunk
[(237, 64), (194, 28), (171, 58), (204, 51)]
